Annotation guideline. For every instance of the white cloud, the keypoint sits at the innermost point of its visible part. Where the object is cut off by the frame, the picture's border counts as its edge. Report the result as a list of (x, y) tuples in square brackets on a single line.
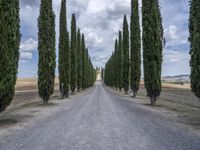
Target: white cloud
[(26, 56), (184, 42), (171, 56), (28, 18), (175, 62), (171, 32), (96, 6), (27, 48), (91, 36), (29, 45)]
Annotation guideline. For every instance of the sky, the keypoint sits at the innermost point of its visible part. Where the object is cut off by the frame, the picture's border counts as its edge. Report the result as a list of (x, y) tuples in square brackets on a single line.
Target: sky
[(100, 21)]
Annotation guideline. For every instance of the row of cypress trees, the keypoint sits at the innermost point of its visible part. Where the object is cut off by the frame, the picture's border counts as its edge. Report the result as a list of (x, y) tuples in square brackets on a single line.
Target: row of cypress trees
[(123, 69), (75, 67), (73, 56)]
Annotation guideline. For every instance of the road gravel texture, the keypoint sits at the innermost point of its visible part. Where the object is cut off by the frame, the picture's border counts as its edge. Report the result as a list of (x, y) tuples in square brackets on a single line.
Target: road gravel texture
[(101, 120)]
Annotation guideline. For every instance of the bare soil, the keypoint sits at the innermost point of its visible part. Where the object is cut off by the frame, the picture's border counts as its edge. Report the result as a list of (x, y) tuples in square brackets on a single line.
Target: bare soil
[(175, 100), (180, 101), (25, 106)]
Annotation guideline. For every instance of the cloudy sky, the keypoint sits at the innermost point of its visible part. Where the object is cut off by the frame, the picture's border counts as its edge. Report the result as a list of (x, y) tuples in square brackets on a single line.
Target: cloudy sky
[(100, 21)]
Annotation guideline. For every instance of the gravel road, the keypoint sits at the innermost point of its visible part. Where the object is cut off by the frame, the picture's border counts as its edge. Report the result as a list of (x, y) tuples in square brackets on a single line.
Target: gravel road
[(100, 120)]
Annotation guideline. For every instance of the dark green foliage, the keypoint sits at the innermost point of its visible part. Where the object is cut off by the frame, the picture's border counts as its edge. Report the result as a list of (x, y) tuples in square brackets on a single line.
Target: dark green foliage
[(90, 72), (102, 74), (194, 28), (111, 69), (152, 48), (83, 74), (83, 82), (79, 60), (116, 69), (112, 74), (73, 64), (46, 48), (86, 67), (125, 55), (135, 47), (120, 62), (9, 50), (63, 52)]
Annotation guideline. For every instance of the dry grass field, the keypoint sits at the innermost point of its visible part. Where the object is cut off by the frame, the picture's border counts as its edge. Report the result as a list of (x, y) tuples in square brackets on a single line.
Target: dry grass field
[(179, 100), (173, 85), (175, 100), (28, 83)]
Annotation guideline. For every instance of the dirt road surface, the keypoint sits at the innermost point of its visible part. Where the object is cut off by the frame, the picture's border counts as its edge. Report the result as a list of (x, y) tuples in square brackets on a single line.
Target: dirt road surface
[(98, 119)]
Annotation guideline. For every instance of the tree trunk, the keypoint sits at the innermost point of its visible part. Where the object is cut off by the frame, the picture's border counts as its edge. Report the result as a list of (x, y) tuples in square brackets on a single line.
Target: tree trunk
[(153, 101), (126, 92), (134, 94), (67, 95)]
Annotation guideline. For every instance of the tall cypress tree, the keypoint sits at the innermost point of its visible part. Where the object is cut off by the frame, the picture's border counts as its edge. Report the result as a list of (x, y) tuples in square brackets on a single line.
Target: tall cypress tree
[(73, 67), (79, 60), (63, 52), (125, 56), (194, 28), (135, 47), (83, 82), (102, 74), (115, 67), (86, 67), (120, 62), (152, 46), (110, 71), (46, 47), (9, 50)]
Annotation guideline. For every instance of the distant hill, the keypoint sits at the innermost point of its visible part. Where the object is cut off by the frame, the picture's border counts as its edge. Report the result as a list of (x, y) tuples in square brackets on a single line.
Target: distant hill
[(178, 78)]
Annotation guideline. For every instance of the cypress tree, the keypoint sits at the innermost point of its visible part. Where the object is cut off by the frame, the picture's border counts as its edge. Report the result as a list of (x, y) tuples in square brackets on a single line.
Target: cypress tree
[(63, 52), (86, 67), (46, 48), (9, 50), (135, 47), (120, 62), (102, 74), (125, 56), (110, 71), (79, 60), (83, 82), (152, 48), (73, 67), (115, 67), (194, 28)]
